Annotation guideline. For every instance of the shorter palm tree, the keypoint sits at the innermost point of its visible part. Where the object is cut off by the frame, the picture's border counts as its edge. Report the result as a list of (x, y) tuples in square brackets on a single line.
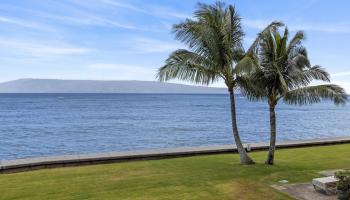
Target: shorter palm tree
[(285, 73)]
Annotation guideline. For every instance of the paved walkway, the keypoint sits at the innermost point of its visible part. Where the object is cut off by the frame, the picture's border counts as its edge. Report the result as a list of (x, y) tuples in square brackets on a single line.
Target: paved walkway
[(75, 160), (304, 191)]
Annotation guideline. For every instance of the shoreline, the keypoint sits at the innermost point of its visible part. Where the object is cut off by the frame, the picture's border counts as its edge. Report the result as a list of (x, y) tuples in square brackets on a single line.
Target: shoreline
[(28, 164)]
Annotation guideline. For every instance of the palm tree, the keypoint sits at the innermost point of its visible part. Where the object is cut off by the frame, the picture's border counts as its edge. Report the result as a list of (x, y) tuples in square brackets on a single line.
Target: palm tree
[(285, 72), (214, 38)]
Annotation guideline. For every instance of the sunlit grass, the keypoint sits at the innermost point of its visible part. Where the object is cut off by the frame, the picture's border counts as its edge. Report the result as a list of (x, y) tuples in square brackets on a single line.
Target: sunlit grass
[(200, 177)]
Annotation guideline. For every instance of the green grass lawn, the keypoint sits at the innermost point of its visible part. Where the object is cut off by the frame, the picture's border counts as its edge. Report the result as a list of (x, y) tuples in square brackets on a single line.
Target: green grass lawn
[(200, 177)]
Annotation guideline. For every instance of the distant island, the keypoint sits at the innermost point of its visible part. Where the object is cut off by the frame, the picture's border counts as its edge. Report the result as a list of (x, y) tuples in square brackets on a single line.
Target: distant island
[(98, 86)]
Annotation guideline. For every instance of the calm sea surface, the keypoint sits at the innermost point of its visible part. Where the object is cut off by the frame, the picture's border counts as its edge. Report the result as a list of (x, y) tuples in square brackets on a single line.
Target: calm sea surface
[(33, 125)]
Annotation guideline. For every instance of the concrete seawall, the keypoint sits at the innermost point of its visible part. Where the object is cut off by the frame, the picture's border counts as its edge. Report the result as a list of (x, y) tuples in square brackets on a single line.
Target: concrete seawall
[(20, 165)]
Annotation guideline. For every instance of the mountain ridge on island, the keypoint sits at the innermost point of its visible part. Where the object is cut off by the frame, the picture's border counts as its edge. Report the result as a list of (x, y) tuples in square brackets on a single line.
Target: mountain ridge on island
[(29, 85)]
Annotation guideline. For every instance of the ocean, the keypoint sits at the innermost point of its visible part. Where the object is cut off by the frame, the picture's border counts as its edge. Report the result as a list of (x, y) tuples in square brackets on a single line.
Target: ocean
[(33, 125)]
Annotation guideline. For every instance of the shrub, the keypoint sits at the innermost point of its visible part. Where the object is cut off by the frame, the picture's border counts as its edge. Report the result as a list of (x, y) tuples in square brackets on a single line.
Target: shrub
[(343, 185)]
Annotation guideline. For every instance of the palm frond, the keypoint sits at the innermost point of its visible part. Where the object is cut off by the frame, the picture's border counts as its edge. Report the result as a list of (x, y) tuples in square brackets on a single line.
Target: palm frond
[(300, 61), (314, 94), (304, 77), (246, 65), (233, 35), (296, 40), (271, 27), (191, 33), (187, 66), (282, 83), (251, 88), (282, 46), (216, 33)]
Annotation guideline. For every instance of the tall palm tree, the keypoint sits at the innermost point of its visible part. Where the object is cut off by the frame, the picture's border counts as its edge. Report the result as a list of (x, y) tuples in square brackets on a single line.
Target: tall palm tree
[(285, 72), (214, 38)]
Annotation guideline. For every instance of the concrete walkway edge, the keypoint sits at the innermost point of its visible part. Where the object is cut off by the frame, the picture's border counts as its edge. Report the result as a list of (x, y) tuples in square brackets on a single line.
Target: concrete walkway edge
[(10, 166)]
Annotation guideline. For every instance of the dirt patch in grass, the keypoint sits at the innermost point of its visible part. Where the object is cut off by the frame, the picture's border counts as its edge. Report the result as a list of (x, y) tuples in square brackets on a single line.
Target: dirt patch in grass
[(242, 189)]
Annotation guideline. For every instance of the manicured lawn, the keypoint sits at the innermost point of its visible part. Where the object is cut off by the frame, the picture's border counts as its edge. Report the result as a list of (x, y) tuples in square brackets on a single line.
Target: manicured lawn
[(201, 177)]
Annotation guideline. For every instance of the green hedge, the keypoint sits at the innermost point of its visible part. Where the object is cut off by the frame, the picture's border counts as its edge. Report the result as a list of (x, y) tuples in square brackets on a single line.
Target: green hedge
[(343, 185)]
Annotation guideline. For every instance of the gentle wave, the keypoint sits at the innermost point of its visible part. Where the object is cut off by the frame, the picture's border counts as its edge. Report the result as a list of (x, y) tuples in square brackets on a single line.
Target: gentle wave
[(34, 125)]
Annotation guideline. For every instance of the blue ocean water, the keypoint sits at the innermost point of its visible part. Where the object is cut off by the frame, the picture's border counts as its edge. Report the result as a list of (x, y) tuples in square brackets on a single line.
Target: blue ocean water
[(33, 125)]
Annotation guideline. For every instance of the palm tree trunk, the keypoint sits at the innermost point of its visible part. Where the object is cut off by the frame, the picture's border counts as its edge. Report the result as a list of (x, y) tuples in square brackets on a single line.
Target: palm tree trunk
[(244, 158), (271, 155)]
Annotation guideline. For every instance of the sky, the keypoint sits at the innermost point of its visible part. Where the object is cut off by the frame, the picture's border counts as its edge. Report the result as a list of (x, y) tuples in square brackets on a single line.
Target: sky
[(130, 39)]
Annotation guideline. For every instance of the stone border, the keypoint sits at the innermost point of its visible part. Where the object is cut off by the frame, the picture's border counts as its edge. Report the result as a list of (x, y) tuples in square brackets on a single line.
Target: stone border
[(10, 166)]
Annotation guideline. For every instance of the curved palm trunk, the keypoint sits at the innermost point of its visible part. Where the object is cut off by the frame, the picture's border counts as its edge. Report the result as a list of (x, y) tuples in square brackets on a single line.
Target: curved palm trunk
[(244, 158), (271, 155)]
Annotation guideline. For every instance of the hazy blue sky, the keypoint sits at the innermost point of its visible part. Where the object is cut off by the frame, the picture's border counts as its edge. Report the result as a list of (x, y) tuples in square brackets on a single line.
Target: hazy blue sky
[(130, 39)]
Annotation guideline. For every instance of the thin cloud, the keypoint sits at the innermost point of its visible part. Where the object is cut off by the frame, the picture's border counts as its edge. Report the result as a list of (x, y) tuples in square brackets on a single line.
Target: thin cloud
[(148, 45), (329, 28), (347, 73), (159, 11), (168, 12), (89, 19), (109, 66), (255, 24), (124, 72), (40, 49), (93, 13), (72, 15), (124, 5), (23, 23)]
